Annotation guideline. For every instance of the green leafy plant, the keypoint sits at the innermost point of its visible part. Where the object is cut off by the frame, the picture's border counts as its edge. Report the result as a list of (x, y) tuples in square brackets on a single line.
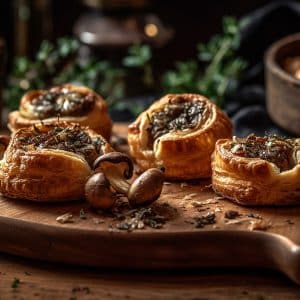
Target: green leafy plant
[(27, 74), (139, 56), (222, 66), (213, 73)]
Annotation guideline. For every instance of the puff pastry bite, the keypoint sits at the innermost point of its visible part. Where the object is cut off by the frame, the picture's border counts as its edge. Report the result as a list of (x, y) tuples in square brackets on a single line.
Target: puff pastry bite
[(258, 170), (178, 132), (50, 162), (73, 104)]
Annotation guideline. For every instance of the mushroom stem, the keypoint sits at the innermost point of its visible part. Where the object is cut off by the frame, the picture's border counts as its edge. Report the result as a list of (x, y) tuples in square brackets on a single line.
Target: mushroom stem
[(116, 179)]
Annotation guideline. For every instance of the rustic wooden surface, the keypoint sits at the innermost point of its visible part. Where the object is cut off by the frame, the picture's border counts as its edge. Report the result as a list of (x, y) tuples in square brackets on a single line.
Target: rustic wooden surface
[(51, 281), (30, 229)]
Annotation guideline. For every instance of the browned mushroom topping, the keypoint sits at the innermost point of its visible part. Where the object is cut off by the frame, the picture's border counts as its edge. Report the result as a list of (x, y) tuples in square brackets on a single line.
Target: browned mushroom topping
[(272, 148), (61, 101), (178, 114), (73, 139)]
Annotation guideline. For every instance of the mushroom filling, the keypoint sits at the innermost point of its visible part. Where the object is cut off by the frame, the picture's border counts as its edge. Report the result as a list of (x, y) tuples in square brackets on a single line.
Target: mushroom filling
[(71, 139), (274, 149), (60, 101), (179, 115)]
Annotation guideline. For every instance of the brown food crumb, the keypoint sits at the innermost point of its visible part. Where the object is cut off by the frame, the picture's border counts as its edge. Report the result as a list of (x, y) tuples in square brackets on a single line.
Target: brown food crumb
[(231, 214), (259, 225)]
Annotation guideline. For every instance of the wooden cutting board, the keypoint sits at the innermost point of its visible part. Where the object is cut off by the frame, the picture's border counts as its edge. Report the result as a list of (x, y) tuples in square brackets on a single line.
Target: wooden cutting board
[(258, 237)]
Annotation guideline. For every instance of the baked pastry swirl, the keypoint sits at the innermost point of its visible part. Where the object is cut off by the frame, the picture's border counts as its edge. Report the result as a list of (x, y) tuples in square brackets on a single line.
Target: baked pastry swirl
[(73, 104), (50, 162), (258, 170), (178, 132)]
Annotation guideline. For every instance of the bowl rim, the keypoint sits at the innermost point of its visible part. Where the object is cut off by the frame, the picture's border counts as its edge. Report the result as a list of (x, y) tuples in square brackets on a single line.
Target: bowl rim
[(271, 63)]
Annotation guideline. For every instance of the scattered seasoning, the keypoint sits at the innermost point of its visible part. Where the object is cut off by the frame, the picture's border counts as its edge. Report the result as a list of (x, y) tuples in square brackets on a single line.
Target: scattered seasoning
[(208, 219), (231, 214), (82, 214), (84, 289), (290, 222), (65, 218), (189, 196), (259, 225), (16, 282), (205, 202), (140, 218), (272, 148), (98, 221), (68, 138), (239, 221), (254, 216)]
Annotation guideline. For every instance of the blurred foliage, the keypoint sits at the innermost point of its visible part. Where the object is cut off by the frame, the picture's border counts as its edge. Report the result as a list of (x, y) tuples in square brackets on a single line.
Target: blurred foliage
[(222, 66), (56, 64)]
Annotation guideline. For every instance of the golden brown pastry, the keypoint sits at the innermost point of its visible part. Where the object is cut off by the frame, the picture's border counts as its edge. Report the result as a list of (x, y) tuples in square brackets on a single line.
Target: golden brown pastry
[(50, 162), (178, 132), (258, 170), (73, 104)]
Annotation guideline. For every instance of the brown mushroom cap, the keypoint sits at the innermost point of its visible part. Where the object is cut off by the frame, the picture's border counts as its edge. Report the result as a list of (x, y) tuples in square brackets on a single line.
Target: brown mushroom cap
[(98, 193), (115, 158), (146, 188)]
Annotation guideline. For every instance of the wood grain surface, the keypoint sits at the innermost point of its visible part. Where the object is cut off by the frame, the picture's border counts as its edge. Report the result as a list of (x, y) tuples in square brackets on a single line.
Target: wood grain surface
[(31, 230), (57, 281)]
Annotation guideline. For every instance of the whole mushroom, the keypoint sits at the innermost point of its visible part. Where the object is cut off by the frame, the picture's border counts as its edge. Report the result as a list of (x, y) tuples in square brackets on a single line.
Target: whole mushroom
[(118, 167), (98, 193)]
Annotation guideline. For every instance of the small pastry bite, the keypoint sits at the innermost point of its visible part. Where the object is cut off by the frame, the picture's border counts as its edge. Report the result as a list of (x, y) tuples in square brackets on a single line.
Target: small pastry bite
[(73, 104), (50, 162), (257, 170), (178, 132)]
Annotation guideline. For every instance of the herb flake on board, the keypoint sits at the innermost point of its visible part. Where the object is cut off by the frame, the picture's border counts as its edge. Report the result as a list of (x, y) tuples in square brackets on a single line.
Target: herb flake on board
[(207, 219), (16, 282), (141, 218)]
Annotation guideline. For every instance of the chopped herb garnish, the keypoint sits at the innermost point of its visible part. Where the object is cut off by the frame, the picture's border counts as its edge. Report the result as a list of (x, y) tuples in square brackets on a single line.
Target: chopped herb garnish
[(73, 139), (208, 219), (178, 114), (16, 282), (140, 218), (82, 214), (275, 149)]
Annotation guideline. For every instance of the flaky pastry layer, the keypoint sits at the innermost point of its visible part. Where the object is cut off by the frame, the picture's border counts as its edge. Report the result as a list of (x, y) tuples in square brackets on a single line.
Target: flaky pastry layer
[(253, 181), (184, 154), (45, 175)]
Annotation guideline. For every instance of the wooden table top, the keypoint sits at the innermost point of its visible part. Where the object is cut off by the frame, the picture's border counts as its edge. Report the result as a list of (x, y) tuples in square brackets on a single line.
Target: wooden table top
[(40, 280)]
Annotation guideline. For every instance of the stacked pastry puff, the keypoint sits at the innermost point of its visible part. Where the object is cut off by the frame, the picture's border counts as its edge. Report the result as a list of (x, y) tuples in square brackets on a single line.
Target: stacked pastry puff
[(59, 135), (56, 136)]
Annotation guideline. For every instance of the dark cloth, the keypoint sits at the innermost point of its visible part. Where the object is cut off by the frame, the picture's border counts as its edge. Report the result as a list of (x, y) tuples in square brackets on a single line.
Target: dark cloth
[(264, 26)]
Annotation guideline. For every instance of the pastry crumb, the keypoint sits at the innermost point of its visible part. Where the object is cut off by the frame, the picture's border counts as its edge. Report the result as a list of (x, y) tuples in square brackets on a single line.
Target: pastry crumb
[(65, 218)]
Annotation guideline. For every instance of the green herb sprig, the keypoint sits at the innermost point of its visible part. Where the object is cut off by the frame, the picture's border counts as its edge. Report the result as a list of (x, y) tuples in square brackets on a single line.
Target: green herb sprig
[(222, 66)]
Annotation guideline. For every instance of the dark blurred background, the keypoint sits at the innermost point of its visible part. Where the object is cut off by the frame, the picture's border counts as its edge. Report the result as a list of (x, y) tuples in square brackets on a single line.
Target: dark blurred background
[(164, 31), (25, 23)]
